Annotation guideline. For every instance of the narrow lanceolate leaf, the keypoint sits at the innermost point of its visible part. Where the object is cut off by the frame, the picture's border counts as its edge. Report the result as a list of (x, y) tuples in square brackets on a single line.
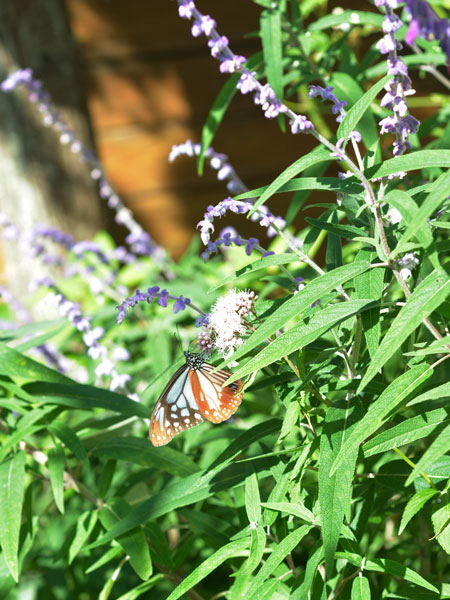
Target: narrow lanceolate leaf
[(318, 155), (272, 48), (20, 367), (191, 488), (297, 509), (410, 162), (314, 290), (335, 491), (216, 114), (404, 433), (441, 391), (252, 499), (390, 567), (301, 335), (330, 184), (56, 471), (414, 505), (228, 551), (12, 479), (267, 261), (370, 285), (392, 397), (86, 397), (356, 112), (70, 439), (279, 553), (408, 209), (441, 526), (360, 588), (438, 191), (424, 300), (437, 448), (133, 542)]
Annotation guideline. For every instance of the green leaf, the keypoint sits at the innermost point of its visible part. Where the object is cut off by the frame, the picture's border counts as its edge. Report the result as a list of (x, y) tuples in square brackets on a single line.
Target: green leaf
[(86, 522), (409, 211), (216, 114), (142, 588), (12, 480), (70, 439), (410, 162), (295, 305), (315, 559), (348, 89), (353, 17), (404, 433), (414, 504), (270, 22), (21, 368), (252, 499), (345, 231), (141, 452), (441, 526), (301, 335), (257, 547), (280, 551), (56, 472), (360, 588), (133, 542), (370, 285), (318, 155), (356, 112), (298, 510), (32, 422), (212, 562), (391, 567), (392, 397), (330, 184), (441, 391), (257, 265), (428, 295), (438, 447), (87, 397), (105, 558), (192, 488), (437, 192), (335, 490)]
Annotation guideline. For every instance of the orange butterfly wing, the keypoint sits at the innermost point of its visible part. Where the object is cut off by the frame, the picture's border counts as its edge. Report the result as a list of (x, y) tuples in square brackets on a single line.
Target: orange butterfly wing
[(216, 402), (176, 409)]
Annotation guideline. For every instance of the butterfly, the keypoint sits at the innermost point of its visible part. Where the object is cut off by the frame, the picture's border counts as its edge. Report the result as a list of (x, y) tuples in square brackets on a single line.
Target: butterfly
[(194, 393)]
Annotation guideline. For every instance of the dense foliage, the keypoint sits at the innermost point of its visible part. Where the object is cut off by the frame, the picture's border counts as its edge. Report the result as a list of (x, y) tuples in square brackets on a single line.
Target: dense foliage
[(331, 479)]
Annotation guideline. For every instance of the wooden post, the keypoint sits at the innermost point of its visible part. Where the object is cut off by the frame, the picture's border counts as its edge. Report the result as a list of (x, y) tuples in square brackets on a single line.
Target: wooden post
[(41, 181)]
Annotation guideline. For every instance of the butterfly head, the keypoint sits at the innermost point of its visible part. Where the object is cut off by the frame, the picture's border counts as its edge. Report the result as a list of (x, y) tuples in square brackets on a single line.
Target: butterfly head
[(193, 360)]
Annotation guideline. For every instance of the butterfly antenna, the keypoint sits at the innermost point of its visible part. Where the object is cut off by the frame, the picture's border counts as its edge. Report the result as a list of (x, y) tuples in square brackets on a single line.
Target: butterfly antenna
[(178, 339)]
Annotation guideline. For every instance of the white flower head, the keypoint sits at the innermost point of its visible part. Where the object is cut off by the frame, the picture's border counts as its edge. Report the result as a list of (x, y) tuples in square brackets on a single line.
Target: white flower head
[(227, 321)]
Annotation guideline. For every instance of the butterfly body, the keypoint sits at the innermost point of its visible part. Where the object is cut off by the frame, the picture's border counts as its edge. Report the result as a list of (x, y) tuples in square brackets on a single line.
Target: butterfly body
[(194, 393)]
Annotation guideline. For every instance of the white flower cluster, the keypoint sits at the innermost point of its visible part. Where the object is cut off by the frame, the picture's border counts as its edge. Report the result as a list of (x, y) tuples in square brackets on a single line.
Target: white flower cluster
[(227, 323), (407, 263)]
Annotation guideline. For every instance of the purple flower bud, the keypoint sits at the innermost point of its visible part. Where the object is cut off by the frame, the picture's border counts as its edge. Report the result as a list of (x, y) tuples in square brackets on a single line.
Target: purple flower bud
[(251, 242), (180, 304), (163, 298)]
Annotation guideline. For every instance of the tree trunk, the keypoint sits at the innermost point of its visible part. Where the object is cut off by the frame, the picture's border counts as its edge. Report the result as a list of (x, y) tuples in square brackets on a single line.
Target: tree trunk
[(41, 181)]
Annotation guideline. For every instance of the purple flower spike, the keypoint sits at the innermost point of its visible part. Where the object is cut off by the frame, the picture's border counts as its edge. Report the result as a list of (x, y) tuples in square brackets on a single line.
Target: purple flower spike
[(399, 123), (327, 94), (426, 23)]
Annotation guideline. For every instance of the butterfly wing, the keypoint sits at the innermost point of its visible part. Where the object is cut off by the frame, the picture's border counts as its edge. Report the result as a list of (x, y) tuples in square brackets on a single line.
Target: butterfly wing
[(216, 401), (176, 409)]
